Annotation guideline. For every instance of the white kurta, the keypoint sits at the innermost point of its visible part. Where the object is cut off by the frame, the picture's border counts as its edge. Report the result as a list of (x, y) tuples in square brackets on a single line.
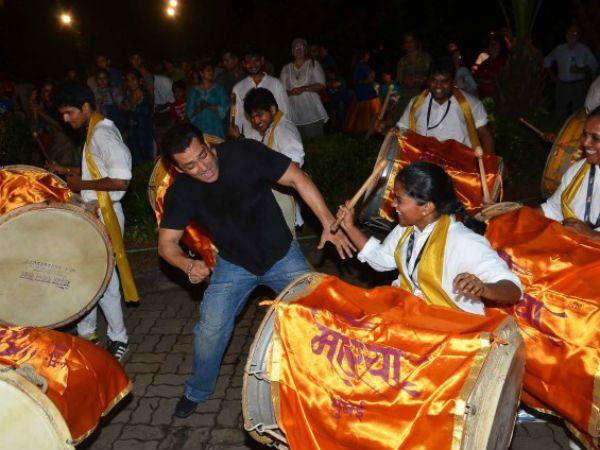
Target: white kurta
[(465, 252), (453, 126), (305, 108), (553, 206)]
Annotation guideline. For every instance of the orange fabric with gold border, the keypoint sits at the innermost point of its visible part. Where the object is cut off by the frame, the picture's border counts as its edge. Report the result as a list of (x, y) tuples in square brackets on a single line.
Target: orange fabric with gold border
[(458, 161), (374, 369), (194, 237), (84, 381), (559, 314), (25, 187)]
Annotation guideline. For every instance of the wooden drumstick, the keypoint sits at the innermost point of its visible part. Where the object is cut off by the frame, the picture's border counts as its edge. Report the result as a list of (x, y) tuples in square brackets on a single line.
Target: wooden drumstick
[(486, 191), (372, 179), (38, 141), (537, 131)]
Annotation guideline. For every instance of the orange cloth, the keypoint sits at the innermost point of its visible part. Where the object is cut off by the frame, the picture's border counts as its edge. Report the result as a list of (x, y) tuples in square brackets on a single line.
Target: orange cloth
[(84, 381), (362, 115), (194, 237), (559, 314), (373, 369), (25, 187), (457, 160)]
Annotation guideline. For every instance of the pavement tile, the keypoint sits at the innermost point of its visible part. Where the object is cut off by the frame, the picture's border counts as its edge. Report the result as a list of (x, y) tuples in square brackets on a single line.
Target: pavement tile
[(196, 420), (209, 406), (170, 379), (175, 439), (147, 357), (135, 368), (149, 342), (197, 439), (230, 414), (227, 436), (163, 414), (164, 391), (141, 383), (165, 344), (133, 444), (142, 433), (143, 413)]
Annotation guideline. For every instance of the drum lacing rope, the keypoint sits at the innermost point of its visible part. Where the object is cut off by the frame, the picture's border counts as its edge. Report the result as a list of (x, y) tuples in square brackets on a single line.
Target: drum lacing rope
[(261, 428), (28, 372)]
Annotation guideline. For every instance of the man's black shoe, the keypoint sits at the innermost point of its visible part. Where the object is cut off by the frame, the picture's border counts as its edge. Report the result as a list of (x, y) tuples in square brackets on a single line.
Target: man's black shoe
[(184, 407)]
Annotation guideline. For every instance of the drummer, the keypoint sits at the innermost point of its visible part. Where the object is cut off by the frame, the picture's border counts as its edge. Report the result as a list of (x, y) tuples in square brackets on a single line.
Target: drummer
[(446, 112), (576, 202), (439, 259)]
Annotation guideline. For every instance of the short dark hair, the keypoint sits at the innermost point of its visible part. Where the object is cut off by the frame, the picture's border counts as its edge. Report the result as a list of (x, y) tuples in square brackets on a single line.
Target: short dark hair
[(259, 99), (136, 73), (594, 112), (178, 138), (442, 66), (253, 52), (74, 94), (179, 84)]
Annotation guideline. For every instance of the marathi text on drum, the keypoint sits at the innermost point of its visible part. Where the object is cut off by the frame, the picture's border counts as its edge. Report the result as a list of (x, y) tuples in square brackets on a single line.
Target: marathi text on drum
[(50, 273)]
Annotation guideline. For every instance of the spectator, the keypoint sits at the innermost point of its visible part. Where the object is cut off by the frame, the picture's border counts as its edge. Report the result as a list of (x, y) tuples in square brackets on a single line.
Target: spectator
[(574, 62), (413, 68), (303, 79), (232, 73), (139, 107), (137, 62), (177, 108), (72, 75), (366, 105), (114, 75), (489, 70), (462, 75), (173, 71), (108, 97), (207, 102), (337, 99), (326, 60)]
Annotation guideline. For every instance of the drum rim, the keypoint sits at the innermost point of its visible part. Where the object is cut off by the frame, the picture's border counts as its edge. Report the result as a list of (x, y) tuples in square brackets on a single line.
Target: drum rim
[(27, 167), (96, 224), (49, 409), (152, 188), (503, 207)]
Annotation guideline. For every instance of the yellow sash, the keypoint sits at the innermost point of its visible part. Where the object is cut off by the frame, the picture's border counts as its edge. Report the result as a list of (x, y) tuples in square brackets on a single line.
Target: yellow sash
[(464, 107), (569, 193), (276, 121), (431, 265), (110, 219)]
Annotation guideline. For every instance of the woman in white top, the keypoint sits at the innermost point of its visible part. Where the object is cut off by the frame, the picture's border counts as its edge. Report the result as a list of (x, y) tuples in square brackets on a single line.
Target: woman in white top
[(303, 79), (439, 259)]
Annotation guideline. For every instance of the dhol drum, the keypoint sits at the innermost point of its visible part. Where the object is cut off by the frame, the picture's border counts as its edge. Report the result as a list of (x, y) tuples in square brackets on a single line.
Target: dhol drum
[(55, 262), (336, 366), (22, 185), (497, 209), (28, 418), (564, 152), (55, 387), (457, 160)]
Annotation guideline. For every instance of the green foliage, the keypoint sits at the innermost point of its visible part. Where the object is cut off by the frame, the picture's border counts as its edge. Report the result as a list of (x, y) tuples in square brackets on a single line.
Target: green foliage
[(339, 164), (141, 228), (15, 139)]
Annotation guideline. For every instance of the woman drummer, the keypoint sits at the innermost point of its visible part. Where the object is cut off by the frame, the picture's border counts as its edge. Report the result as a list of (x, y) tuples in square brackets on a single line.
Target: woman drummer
[(439, 258)]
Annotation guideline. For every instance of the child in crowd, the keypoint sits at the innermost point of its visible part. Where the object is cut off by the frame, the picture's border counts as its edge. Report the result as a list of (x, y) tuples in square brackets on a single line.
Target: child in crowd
[(177, 108)]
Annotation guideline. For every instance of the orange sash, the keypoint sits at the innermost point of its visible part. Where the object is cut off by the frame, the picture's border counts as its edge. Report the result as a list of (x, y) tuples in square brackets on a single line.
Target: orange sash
[(373, 369), (559, 314), (456, 159), (84, 381), (25, 187)]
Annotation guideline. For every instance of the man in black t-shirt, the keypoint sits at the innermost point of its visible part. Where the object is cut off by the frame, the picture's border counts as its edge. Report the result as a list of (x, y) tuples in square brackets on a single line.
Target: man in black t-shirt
[(227, 190)]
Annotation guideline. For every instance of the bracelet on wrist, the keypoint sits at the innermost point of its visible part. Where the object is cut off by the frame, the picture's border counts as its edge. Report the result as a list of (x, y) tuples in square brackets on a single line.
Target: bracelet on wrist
[(189, 269)]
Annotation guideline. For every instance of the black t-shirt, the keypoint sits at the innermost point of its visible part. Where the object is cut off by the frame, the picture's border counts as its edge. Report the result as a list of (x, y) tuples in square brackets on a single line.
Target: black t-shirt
[(239, 209)]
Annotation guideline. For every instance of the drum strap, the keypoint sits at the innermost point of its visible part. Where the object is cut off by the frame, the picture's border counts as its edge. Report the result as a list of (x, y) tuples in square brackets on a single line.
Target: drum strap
[(271, 138), (110, 219), (431, 265), (464, 107), (571, 190)]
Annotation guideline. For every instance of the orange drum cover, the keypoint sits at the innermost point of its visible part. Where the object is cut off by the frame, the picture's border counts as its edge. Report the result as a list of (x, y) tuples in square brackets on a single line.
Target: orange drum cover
[(84, 381), (559, 314), (55, 263), (380, 369)]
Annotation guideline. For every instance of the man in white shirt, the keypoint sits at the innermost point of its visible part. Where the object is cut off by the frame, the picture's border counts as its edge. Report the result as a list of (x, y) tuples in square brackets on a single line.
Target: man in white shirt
[(439, 113), (75, 102), (163, 97), (585, 204), (280, 134), (254, 63), (592, 98), (574, 62)]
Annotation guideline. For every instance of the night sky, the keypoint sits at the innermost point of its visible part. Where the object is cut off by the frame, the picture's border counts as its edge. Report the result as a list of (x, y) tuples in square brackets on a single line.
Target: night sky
[(35, 46)]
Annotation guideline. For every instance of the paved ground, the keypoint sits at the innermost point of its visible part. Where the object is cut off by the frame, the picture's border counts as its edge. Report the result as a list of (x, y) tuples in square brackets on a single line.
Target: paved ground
[(160, 361)]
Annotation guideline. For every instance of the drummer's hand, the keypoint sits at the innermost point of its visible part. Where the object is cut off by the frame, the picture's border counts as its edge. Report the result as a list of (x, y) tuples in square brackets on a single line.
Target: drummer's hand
[(342, 244), (92, 207), (580, 227), (549, 137), (379, 126), (347, 216), (74, 181), (234, 132), (469, 285), (198, 272), (53, 166)]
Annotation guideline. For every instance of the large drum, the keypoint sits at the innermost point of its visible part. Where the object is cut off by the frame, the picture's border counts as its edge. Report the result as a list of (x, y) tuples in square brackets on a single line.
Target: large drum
[(22, 185), (28, 418), (55, 263), (194, 238), (58, 401), (565, 151), (335, 366), (457, 160)]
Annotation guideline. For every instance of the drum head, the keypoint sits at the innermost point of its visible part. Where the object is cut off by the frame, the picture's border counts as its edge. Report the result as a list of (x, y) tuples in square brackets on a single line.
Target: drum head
[(55, 263), (28, 419), (160, 179), (27, 168)]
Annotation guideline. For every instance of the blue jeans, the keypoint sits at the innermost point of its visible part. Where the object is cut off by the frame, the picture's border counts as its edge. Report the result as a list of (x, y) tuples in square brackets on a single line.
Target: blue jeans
[(224, 298)]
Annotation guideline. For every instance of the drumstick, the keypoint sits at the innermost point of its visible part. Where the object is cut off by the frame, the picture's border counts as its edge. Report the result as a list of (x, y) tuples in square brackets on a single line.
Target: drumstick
[(484, 186), (537, 131), (41, 146), (372, 179), (233, 110)]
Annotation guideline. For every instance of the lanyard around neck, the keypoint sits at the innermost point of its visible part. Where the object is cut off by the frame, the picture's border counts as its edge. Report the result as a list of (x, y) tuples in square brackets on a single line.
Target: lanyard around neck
[(588, 199), (429, 114), (409, 250)]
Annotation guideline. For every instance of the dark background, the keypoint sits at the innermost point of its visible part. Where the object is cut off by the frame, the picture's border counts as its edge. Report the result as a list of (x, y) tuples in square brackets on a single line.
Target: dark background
[(34, 45)]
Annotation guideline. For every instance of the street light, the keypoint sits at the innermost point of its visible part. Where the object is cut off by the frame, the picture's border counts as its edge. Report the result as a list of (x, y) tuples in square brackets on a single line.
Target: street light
[(170, 11), (66, 19), (173, 3)]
